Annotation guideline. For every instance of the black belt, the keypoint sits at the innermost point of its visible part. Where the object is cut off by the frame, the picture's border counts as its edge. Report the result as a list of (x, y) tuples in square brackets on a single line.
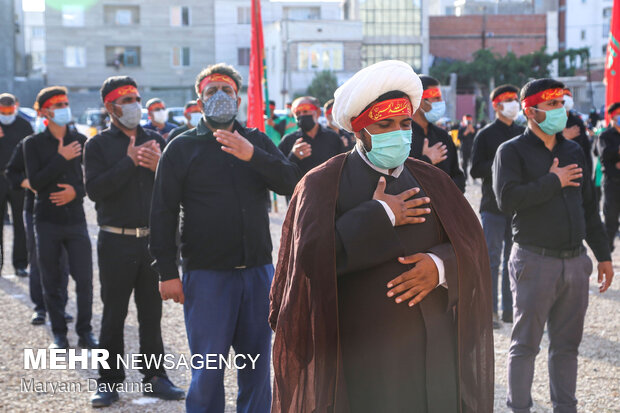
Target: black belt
[(134, 232), (572, 253)]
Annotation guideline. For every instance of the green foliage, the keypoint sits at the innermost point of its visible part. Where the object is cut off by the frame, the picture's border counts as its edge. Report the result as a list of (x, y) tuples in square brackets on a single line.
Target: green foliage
[(323, 86)]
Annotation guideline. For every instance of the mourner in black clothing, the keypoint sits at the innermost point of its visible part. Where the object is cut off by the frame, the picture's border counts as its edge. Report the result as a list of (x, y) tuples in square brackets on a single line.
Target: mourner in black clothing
[(192, 114), (348, 139), (54, 170), (495, 223), (609, 151), (13, 129), (220, 174), (120, 165), (311, 144), (576, 131), (538, 177), (466, 134), (430, 143)]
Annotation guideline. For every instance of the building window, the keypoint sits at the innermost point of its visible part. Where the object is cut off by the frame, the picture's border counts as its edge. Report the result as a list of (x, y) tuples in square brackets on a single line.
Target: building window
[(606, 21), (180, 57), (122, 56), (38, 31), (244, 15), (320, 56), (75, 56), (179, 16), (243, 56), (408, 53), (121, 15), (394, 18), (73, 16), (302, 13), (583, 35)]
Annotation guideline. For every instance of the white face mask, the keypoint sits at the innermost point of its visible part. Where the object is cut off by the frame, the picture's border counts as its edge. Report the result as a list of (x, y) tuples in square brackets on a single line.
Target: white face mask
[(194, 118), (569, 103), (510, 109), (160, 116)]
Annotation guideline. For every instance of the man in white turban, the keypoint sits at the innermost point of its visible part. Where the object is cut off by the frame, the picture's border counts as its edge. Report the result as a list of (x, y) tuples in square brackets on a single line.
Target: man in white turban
[(381, 300)]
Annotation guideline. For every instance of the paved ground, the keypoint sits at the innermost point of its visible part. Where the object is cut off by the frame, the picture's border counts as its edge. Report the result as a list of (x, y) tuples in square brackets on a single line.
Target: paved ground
[(599, 363)]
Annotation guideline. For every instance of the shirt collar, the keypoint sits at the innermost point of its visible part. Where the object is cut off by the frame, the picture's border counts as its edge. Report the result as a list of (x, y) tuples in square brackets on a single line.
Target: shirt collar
[(396, 173), (203, 130), (530, 136), (117, 131)]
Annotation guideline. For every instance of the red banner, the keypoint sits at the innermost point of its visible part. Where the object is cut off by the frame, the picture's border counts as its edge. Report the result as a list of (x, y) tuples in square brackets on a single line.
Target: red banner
[(612, 65), (255, 81)]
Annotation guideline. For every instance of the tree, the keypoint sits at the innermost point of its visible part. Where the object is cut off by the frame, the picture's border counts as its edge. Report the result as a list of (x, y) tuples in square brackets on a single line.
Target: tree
[(323, 86)]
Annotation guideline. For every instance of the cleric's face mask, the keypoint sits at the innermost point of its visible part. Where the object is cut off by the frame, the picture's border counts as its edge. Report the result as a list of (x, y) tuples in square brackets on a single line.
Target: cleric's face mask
[(390, 149), (220, 109)]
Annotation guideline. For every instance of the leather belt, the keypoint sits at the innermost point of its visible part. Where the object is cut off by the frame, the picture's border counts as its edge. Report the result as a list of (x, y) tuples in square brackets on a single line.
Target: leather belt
[(572, 253), (134, 232)]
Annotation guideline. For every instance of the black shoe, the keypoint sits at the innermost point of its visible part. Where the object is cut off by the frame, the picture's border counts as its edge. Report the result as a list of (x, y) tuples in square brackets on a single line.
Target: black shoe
[(163, 388), (507, 316), (68, 318), (37, 319), (103, 398), (60, 341), (87, 341), (21, 272)]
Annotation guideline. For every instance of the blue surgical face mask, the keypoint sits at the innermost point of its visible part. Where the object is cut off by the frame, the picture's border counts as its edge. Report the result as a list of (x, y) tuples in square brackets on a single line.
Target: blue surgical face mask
[(555, 120), (437, 111), (194, 118), (62, 116), (390, 149), (7, 119)]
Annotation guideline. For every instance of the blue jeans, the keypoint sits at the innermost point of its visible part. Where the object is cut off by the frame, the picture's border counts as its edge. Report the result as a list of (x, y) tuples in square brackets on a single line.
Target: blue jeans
[(224, 308), (498, 234)]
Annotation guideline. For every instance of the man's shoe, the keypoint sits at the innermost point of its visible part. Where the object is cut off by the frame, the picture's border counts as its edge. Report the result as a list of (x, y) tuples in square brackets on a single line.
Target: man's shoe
[(21, 272), (163, 388), (60, 342), (88, 341), (496, 323), (507, 316), (103, 398), (37, 319), (68, 318)]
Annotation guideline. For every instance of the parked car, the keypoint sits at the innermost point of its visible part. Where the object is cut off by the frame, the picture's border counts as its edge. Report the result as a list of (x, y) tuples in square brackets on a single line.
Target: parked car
[(177, 114), (90, 122)]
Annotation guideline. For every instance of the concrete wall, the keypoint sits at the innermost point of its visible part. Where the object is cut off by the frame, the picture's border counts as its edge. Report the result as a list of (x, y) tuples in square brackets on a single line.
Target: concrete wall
[(587, 17)]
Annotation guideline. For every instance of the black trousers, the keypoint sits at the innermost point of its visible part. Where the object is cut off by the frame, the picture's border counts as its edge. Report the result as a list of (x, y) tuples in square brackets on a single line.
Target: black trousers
[(466, 148), (125, 267), (611, 209), (51, 239), (16, 201), (36, 289)]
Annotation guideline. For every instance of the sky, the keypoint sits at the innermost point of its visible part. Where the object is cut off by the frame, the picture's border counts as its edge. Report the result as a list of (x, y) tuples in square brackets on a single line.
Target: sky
[(33, 5)]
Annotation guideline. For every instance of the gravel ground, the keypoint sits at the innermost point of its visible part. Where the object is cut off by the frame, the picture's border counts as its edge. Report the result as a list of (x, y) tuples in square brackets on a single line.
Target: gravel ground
[(598, 388)]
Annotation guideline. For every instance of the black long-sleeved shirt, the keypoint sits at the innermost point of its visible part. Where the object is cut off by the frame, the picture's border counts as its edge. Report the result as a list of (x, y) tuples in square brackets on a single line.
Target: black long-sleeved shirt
[(223, 202), (16, 173), (176, 132), (13, 134), (450, 165), (121, 190), (584, 141), (545, 214), (486, 142), (608, 148), (46, 168), (466, 139), (325, 145)]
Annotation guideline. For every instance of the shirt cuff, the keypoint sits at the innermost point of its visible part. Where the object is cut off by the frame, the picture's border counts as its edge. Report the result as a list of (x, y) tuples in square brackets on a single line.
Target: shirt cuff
[(440, 269), (388, 211)]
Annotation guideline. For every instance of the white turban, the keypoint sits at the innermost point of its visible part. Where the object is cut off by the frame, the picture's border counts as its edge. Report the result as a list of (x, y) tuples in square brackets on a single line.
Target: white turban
[(368, 84)]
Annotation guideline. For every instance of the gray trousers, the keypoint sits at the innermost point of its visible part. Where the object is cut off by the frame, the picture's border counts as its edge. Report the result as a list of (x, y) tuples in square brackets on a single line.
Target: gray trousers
[(555, 291)]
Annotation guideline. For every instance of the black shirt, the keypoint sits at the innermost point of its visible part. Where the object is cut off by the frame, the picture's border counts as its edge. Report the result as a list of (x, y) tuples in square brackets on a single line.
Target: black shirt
[(584, 141), (325, 145), (486, 142), (466, 139), (46, 168), (121, 190), (450, 165), (608, 147), (545, 214), (16, 173), (176, 132), (13, 133), (223, 202)]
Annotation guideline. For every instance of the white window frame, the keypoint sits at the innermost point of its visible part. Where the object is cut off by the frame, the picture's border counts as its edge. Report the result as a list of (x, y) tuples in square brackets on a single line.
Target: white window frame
[(71, 9), (181, 48), (75, 49), (320, 47), (189, 16)]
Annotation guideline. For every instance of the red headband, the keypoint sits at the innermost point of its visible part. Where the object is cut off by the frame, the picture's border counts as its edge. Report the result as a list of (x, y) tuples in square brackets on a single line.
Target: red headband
[(190, 107), (306, 106), (119, 92), (217, 77), (542, 96), (505, 96), (567, 92), (432, 92), (53, 100), (615, 113), (8, 109), (382, 110), (329, 111), (155, 106)]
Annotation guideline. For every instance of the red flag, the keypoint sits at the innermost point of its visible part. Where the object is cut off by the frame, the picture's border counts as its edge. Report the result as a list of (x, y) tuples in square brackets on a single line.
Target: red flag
[(612, 65), (257, 70)]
